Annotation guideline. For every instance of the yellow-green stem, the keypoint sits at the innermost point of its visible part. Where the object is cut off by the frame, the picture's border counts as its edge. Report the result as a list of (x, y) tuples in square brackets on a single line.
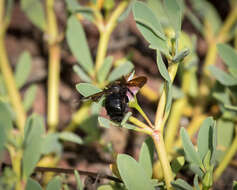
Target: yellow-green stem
[(158, 140), (227, 158), (9, 80), (106, 32), (54, 66), (172, 69), (173, 123), (142, 126)]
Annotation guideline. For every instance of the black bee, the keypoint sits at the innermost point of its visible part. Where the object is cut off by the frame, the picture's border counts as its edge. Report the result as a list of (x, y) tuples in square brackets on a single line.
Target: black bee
[(118, 94)]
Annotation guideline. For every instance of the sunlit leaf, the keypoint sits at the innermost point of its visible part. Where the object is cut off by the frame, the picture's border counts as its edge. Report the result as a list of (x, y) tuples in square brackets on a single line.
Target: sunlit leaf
[(132, 173), (78, 44), (195, 182), (51, 144), (144, 15)]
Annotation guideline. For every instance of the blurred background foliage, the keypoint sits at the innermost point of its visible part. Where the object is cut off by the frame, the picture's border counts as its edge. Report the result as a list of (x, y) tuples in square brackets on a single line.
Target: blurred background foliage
[(47, 47)]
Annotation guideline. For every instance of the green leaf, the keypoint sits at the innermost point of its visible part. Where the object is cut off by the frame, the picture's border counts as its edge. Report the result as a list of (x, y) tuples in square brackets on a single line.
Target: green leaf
[(225, 131), (51, 144), (125, 118), (234, 185), (104, 69), (228, 54), (54, 184), (68, 136), (125, 13), (133, 174), (181, 55), (144, 15), (106, 123), (32, 185), (8, 12), (169, 97), (195, 182), (180, 184), (23, 68), (78, 44), (223, 77), (74, 7), (5, 124), (29, 97), (146, 156), (189, 149), (34, 131), (106, 187), (196, 170), (87, 89), (205, 137), (174, 14), (161, 67), (120, 71), (82, 75), (35, 12), (78, 180), (177, 164)]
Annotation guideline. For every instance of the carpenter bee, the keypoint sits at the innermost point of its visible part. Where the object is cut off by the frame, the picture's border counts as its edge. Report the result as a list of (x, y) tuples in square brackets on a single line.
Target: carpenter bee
[(118, 94)]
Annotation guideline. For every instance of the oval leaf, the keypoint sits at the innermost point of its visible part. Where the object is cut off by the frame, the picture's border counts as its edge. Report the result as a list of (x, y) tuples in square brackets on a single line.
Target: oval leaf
[(82, 75), (68, 136), (34, 131), (162, 68), (78, 45), (35, 12), (228, 54), (189, 149), (54, 184), (29, 97), (104, 69), (78, 180), (146, 156), (133, 174), (144, 15), (174, 14), (87, 89), (180, 184), (23, 68), (32, 184), (223, 77)]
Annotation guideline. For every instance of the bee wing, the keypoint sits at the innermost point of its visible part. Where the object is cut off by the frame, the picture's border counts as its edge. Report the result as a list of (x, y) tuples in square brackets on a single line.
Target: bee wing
[(137, 82)]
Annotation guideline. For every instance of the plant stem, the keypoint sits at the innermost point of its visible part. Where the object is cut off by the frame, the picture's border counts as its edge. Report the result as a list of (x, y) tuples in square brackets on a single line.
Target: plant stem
[(106, 32), (54, 66), (142, 126), (8, 76), (157, 137), (227, 158), (173, 123)]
